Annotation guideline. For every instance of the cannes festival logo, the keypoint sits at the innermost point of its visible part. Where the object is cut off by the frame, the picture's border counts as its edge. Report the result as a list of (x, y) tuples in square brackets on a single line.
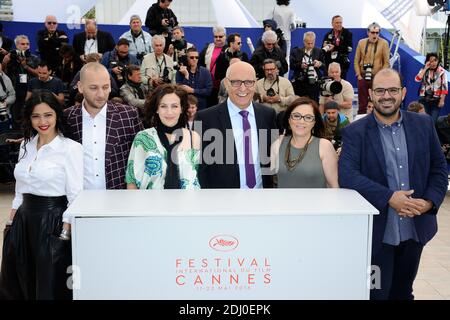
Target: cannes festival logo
[(223, 243)]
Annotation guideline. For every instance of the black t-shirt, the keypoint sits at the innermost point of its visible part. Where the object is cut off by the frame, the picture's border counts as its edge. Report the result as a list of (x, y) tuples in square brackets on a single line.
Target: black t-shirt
[(55, 85)]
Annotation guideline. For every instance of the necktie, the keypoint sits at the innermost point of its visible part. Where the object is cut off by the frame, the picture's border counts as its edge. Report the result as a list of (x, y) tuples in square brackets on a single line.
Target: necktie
[(249, 165)]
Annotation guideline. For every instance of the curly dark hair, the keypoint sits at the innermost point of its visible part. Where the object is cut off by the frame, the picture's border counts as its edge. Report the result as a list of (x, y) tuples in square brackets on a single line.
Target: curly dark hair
[(153, 100), (319, 128)]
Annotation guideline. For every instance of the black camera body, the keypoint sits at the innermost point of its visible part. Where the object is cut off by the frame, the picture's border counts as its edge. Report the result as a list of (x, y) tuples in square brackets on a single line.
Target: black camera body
[(311, 74), (16, 54), (140, 55), (329, 87), (165, 77), (368, 71), (271, 92), (122, 67)]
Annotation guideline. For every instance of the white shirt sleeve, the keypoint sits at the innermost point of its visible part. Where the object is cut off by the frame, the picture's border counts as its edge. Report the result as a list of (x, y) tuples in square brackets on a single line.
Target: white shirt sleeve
[(74, 174), (18, 198)]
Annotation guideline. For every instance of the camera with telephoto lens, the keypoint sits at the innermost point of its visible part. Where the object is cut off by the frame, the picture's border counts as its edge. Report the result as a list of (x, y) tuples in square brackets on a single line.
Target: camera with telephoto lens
[(368, 69), (311, 74), (165, 77), (271, 92), (329, 87)]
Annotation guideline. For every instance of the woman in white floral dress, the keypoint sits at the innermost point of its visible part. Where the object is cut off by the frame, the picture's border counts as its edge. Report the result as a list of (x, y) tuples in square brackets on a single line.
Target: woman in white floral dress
[(165, 156)]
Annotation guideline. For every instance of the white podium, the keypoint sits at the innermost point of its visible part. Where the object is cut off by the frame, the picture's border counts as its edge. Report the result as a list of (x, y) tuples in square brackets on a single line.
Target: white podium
[(221, 244)]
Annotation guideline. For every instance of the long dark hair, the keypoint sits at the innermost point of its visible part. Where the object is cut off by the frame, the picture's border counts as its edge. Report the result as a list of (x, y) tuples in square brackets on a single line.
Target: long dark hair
[(38, 97), (319, 128), (151, 116)]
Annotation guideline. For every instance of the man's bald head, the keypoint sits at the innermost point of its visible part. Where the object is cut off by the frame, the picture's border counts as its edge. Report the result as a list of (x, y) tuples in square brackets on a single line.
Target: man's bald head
[(92, 68), (245, 67)]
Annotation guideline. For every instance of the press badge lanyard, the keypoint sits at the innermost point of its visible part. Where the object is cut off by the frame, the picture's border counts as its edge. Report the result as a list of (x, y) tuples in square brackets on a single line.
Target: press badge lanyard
[(273, 83), (160, 64)]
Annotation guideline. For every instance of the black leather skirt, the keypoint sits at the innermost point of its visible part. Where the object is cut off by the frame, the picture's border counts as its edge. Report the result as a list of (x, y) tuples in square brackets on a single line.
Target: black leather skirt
[(35, 260)]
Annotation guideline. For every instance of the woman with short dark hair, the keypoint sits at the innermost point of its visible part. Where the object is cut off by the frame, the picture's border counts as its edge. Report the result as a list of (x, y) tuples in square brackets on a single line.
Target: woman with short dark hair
[(434, 87), (302, 158), (165, 156)]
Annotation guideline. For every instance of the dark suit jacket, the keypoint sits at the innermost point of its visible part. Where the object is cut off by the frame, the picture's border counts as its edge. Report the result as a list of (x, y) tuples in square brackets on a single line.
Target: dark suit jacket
[(296, 59), (224, 175), (122, 125), (104, 39), (362, 167)]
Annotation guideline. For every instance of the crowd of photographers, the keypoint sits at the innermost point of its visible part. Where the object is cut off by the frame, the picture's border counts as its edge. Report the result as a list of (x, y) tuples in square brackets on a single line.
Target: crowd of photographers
[(140, 61)]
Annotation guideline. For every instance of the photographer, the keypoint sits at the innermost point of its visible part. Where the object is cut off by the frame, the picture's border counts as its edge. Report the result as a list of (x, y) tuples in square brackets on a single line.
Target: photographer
[(334, 122), (45, 81), (195, 79), (275, 91), (160, 16), (140, 41), (270, 24), (337, 45), (269, 50), (7, 98), (372, 55), (49, 41), (434, 86), (177, 47), (233, 50), (307, 64), (117, 60), (133, 92), (20, 66), (345, 96), (157, 67)]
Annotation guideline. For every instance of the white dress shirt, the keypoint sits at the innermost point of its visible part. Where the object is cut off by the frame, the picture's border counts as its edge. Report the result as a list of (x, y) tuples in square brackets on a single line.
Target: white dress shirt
[(90, 46), (94, 146), (238, 133), (55, 170)]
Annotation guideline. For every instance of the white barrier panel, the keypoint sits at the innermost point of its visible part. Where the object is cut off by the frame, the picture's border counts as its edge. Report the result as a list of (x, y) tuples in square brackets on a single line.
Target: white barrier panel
[(222, 244)]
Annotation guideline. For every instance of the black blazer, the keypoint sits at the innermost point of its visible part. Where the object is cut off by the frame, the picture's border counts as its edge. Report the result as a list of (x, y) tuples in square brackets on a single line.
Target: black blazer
[(221, 174), (296, 59), (105, 42)]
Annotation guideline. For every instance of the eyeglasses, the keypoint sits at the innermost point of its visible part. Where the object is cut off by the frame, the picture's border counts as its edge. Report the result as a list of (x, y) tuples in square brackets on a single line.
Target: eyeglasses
[(218, 37), (374, 32), (238, 83), (52, 22), (298, 116), (392, 91), (193, 57)]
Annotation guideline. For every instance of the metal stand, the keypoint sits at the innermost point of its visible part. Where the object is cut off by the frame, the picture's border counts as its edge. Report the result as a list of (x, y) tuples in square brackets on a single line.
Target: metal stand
[(446, 40), (395, 56)]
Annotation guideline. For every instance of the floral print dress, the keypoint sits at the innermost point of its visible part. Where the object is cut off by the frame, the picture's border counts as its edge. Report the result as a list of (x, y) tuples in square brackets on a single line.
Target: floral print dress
[(147, 163)]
